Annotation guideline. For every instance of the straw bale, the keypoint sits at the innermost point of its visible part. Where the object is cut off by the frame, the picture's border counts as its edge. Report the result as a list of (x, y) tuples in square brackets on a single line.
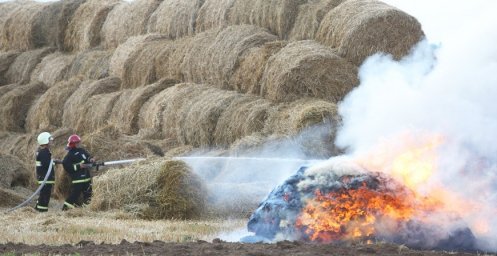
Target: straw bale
[(360, 28), (221, 56), (9, 198), (6, 88), (13, 172), (14, 106), (175, 18), (20, 70), (170, 56), (309, 17), (139, 69), (5, 10), (163, 190), (243, 117), (95, 112), (30, 26), (123, 54), (23, 146), (213, 14), (77, 105), (68, 8), (46, 113), (83, 31), (306, 68), (125, 114), (127, 19), (198, 116), (247, 77), (278, 16), (247, 144), (6, 59), (52, 69), (92, 65)]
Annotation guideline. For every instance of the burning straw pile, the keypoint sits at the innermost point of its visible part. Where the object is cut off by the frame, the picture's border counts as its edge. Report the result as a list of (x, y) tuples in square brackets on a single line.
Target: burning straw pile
[(360, 28), (158, 190)]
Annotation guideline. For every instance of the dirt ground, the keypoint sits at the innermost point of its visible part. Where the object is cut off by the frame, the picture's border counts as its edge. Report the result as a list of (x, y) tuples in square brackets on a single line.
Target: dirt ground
[(216, 247)]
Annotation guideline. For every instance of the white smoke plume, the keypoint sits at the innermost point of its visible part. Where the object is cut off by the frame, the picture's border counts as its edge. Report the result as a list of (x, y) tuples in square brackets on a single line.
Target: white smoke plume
[(447, 87)]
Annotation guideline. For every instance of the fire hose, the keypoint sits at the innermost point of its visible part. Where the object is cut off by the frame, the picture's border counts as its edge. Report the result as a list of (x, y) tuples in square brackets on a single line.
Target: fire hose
[(97, 165)]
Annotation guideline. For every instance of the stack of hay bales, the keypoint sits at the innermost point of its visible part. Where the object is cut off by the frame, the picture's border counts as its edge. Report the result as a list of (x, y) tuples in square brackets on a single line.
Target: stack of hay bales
[(175, 18), (31, 25), (14, 105), (46, 113), (217, 58), (278, 16), (157, 190), (13, 172), (360, 28), (91, 65), (309, 18), (6, 59), (52, 69), (81, 111), (127, 19), (20, 70), (213, 14), (126, 112), (306, 68), (83, 30)]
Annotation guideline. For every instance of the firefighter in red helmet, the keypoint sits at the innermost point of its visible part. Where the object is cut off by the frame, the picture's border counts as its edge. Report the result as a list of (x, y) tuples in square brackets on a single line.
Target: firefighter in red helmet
[(77, 164)]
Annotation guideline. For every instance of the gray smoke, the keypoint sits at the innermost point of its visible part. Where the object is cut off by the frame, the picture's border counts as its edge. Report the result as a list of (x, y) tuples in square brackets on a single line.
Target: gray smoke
[(446, 87)]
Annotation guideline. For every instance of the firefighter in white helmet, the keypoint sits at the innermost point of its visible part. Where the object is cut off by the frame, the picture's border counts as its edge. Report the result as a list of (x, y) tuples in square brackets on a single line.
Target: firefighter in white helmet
[(43, 158)]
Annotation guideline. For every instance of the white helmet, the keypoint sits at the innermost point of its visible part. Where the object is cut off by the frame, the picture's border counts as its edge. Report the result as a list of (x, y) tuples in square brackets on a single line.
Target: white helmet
[(44, 138)]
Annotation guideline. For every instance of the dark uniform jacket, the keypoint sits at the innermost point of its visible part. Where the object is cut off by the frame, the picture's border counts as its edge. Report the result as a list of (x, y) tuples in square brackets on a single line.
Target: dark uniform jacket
[(71, 163), (43, 158)]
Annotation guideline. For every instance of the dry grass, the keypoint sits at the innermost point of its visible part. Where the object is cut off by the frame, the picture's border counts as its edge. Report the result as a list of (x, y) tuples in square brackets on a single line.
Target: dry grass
[(157, 190), (91, 65), (278, 16), (83, 31), (52, 69), (32, 25), (175, 18), (57, 228), (360, 28), (309, 18), (127, 19), (213, 14), (46, 113), (306, 68), (6, 59), (14, 106), (20, 70)]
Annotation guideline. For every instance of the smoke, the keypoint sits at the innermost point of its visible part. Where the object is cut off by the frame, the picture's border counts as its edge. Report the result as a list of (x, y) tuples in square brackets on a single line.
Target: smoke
[(446, 87)]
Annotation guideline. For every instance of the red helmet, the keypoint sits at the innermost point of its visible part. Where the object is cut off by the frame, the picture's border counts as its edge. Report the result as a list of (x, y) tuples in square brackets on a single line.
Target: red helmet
[(73, 139)]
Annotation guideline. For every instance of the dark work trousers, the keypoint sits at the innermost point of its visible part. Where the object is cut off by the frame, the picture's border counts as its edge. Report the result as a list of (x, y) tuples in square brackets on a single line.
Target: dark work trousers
[(76, 190), (44, 198)]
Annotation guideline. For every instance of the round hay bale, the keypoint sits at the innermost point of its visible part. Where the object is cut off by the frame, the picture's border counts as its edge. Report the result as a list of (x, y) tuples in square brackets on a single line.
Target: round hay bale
[(247, 77), (6, 59), (175, 18), (139, 69), (197, 118), (68, 8), (52, 69), (22, 67), (213, 14), (361, 28), (91, 65), (246, 145), (13, 172), (46, 113), (83, 30), (23, 146), (127, 19), (243, 117), (14, 106), (170, 56), (306, 68), (309, 18), (127, 108), (32, 25), (220, 57), (123, 54), (5, 9), (6, 88), (74, 114), (95, 112), (278, 16), (164, 189), (9, 198)]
